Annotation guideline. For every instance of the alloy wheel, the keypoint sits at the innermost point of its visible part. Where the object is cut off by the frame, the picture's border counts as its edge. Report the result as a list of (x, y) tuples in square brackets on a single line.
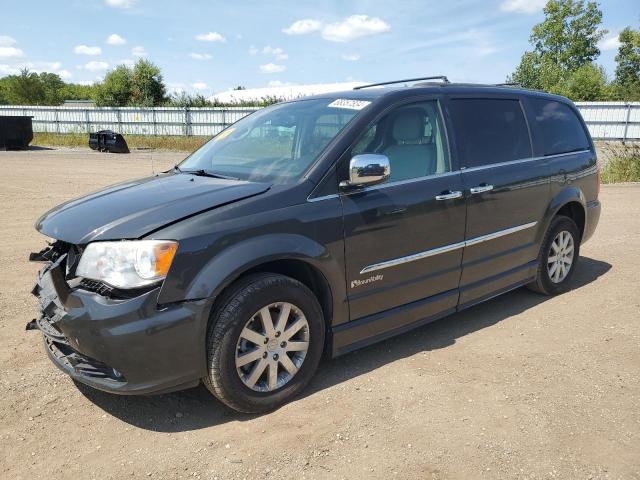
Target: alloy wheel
[(560, 257), (272, 347)]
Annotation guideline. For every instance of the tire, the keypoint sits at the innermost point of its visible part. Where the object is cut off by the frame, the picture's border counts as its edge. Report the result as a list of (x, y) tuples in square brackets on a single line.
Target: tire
[(241, 311), (550, 280)]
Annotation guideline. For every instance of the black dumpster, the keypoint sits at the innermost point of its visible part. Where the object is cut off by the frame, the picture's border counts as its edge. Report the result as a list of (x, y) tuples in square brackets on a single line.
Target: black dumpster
[(108, 141), (15, 132)]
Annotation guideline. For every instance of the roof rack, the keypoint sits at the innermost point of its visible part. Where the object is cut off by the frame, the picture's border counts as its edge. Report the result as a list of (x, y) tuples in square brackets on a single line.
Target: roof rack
[(509, 84), (437, 77)]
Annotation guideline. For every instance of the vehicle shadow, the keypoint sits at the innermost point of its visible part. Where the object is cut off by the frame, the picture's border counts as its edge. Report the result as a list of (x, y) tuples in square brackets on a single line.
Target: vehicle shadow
[(196, 408)]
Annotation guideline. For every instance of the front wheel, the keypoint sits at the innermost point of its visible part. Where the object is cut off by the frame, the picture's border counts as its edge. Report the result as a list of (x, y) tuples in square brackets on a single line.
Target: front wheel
[(558, 257), (264, 343)]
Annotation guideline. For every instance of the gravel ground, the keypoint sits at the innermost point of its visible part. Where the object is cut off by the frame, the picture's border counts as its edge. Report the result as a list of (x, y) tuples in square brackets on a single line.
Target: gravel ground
[(521, 386)]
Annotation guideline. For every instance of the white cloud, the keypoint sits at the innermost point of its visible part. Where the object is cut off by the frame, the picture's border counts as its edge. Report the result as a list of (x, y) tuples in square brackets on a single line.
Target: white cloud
[(199, 86), (11, 52), (351, 57), (523, 6), (86, 82), (610, 42), (95, 66), (37, 67), (302, 27), (138, 51), (278, 83), (278, 52), (86, 50), (353, 27), (253, 50), (211, 37), (121, 3), (7, 41), (272, 68), (115, 39), (200, 56)]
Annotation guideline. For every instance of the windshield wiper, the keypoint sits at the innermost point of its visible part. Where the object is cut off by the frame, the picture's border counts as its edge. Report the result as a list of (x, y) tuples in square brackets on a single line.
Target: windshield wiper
[(206, 173)]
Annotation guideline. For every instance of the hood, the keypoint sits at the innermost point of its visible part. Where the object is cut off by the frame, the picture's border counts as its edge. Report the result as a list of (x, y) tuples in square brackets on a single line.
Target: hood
[(136, 208)]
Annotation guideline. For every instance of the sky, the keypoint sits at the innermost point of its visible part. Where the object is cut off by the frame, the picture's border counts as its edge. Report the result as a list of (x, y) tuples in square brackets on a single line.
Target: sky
[(207, 46)]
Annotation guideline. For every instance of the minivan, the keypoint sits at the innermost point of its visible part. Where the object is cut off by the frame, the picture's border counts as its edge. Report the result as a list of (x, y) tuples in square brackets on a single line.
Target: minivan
[(313, 226)]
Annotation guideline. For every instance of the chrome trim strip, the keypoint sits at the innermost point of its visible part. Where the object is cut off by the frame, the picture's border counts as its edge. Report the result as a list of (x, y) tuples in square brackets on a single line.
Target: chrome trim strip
[(412, 258), (498, 234), (522, 160), (446, 248)]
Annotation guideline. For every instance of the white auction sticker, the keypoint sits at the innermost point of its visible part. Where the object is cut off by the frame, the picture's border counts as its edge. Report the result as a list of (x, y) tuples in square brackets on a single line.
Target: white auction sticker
[(350, 104)]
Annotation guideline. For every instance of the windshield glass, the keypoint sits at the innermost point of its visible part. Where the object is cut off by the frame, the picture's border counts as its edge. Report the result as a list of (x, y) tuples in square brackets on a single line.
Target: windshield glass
[(275, 144)]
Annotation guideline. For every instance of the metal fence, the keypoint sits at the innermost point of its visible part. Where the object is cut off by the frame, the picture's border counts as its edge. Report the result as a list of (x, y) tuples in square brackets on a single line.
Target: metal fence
[(606, 120), (130, 120)]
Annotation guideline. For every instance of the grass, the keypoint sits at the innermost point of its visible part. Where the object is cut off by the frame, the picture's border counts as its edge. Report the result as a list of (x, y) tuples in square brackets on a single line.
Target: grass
[(623, 162), (169, 142)]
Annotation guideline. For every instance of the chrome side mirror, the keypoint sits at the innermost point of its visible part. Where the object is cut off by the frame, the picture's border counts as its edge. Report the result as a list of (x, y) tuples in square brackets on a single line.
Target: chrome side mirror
[(367, 169)]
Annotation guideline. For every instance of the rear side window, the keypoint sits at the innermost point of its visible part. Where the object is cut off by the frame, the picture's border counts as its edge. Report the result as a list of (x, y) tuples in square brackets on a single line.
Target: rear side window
[(559, 127), (489, 131)]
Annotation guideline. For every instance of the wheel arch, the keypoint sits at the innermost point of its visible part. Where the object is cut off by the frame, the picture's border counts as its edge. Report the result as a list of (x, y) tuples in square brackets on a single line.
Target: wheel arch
[(569, 202)]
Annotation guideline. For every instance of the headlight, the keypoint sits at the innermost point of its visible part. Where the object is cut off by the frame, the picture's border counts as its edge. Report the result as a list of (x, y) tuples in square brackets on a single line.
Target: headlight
[(127, 264)]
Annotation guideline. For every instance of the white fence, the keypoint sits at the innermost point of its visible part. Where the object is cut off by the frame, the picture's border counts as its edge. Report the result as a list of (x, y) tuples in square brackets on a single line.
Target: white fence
[(130, 120), (606, 120)]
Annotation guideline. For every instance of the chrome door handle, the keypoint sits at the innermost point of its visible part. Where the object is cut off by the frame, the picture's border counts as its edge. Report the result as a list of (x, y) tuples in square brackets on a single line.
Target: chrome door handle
[(449, 195), (481, 189)]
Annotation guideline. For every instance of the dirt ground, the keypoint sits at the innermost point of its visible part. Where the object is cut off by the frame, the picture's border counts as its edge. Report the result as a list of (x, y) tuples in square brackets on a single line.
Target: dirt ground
[(521, 386)]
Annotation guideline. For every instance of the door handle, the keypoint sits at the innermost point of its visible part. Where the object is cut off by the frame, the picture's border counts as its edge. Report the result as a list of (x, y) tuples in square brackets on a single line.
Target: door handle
[(481, 189), (448, 195)]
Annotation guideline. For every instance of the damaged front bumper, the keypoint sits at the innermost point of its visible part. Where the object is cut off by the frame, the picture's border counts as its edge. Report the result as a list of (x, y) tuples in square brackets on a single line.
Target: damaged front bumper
[(126, 346)]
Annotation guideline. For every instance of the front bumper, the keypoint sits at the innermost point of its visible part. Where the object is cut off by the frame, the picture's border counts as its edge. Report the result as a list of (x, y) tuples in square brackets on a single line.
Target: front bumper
[(125, 346)]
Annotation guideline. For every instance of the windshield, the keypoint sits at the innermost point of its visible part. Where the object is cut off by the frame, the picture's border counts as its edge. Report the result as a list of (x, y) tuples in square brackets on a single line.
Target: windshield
[(275, 144)]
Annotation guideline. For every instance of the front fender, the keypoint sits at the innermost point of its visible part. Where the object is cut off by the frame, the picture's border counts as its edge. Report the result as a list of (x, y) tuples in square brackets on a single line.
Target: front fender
[(226, 266)]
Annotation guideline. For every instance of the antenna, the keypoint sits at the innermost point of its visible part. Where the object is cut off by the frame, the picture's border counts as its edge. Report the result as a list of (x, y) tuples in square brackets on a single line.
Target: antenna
[(437, 77)]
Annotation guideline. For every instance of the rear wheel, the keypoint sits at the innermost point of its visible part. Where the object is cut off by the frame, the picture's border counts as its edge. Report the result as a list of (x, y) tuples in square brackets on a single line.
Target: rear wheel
[(265, 342), (558, 257)]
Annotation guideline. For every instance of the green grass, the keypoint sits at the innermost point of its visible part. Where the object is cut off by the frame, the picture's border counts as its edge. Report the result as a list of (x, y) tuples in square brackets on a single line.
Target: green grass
[(623, 163), (74, 140)]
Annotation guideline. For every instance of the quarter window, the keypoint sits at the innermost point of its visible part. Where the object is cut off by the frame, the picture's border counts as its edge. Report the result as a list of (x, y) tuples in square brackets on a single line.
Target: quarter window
[(559, 127), (490, 131), (412, 137)]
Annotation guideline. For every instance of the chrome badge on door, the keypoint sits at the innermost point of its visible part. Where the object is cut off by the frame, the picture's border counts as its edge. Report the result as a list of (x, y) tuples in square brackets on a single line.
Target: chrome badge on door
[(359, 283)]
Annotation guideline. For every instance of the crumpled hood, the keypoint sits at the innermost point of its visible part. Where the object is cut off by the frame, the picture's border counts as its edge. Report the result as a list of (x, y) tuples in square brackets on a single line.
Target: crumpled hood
[(135, 208)]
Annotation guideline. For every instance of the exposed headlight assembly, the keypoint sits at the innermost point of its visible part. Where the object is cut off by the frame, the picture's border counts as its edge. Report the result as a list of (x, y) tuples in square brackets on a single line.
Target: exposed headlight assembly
[(127, 264)]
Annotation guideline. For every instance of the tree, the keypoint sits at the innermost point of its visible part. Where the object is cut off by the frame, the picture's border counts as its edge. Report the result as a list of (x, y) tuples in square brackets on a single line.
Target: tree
[(148, 88), (586, 84), (53, 87), (627, 81), (563, 42), (116, 89), (24, 89)]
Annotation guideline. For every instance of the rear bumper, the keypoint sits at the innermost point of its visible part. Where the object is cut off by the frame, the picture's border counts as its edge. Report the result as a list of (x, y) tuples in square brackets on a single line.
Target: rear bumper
[(591, 220), (121, 346)]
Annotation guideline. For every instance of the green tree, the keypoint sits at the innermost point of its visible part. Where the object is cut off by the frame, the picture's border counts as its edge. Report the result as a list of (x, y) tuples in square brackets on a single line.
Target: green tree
[(53, 87), (588, 83), (116, 89), (148, 88), (627, 81), (563, 42), (24, 89)]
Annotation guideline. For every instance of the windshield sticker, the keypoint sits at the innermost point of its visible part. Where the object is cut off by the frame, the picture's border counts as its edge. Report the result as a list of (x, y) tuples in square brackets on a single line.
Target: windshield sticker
[(224, 134), (349, 104)]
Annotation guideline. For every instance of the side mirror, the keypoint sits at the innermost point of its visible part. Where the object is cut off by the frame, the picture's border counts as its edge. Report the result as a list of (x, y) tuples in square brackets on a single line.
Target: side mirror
[(367, 169)]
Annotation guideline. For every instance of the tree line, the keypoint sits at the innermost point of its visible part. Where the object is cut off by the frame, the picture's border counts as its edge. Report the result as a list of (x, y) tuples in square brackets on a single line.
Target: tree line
[(562, 60), (564, 53)]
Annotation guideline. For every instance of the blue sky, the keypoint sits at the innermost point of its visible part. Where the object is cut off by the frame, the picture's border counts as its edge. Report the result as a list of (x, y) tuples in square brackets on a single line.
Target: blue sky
[(206, 46)]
